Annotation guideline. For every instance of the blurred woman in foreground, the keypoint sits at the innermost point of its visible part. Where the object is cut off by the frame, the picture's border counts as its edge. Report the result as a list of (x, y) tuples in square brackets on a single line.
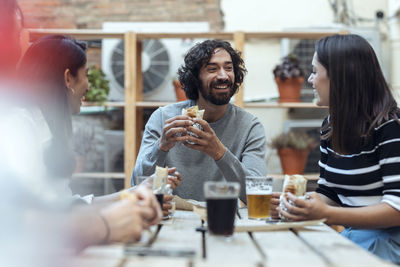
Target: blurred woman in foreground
[(54, 71)]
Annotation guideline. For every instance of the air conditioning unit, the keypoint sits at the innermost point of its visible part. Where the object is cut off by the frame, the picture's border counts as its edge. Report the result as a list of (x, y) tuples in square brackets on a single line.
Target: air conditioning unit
[(161, 58)]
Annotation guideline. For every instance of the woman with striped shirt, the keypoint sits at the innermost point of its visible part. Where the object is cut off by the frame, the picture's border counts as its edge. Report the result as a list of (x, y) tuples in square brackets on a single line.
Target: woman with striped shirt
[(359, 185)]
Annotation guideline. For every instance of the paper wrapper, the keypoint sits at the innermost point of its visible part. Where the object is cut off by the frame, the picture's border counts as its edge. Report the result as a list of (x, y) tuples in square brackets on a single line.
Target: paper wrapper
[(160, 179), (296, 185), (187, 204), (194, 112)]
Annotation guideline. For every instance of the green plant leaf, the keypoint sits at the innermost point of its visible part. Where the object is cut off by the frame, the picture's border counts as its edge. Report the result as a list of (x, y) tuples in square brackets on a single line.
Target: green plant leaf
[(98, 85)]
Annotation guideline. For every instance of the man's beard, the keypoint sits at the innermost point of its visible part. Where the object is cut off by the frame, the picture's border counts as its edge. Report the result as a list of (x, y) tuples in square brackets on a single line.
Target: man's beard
[(217, 99)]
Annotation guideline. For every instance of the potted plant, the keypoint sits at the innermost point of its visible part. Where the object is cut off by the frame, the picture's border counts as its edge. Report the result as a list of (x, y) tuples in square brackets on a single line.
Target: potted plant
[(98, 85), (293, 149), (289, 77)]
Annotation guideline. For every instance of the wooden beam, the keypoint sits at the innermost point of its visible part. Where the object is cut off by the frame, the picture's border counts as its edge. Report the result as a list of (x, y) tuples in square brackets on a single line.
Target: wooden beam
[(201, 35), (130, 105), (99, 175), (283, 105), (102, 34), (139, 95), (239, 40), (291, 34), (152, 104), (114, 104), (77, 33)]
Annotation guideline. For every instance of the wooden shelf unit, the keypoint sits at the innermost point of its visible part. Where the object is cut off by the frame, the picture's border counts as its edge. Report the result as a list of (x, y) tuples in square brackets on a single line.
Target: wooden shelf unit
[(156, 104), (101, 175), (134, 103), (119, 104)]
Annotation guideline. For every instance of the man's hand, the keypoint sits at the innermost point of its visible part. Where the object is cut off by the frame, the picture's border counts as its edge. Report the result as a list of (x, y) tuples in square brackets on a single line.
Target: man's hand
[(174, 178), (167, 205), (207, 141), (174, 131)]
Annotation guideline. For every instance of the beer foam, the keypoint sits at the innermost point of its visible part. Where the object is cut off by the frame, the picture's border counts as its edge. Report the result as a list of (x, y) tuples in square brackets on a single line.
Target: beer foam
[(259, 192)]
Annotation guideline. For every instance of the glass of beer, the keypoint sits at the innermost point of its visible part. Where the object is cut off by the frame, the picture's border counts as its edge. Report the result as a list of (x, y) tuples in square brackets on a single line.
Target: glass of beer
[(222, 202), (258, 194)]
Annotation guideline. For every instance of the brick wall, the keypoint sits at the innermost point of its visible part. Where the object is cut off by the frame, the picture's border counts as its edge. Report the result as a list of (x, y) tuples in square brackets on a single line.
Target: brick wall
[(92, 13)]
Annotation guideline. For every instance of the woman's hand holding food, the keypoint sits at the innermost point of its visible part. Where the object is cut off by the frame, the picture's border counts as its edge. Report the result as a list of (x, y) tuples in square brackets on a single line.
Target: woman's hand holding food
[(301, 209), (274, 205)]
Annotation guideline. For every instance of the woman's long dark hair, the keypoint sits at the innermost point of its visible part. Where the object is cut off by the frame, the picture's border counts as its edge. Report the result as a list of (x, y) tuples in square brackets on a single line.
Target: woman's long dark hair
[(359, 97), (42, 68), (199, 55)]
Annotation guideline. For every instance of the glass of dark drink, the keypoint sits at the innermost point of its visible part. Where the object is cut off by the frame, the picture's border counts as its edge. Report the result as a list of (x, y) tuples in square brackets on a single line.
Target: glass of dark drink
[(148, 181), (160, 199), (222, 202)]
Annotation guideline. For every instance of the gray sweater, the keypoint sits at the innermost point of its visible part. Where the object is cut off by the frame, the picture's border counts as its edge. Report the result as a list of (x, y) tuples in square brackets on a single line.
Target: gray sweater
[(241, 133)]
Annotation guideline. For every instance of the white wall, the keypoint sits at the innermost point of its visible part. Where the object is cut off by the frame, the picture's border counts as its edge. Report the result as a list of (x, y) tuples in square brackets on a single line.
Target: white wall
[(394, 37), (261, 56)]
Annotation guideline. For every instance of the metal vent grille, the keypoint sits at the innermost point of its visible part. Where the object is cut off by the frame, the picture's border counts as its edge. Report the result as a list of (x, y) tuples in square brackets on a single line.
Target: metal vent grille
[(155, 64)]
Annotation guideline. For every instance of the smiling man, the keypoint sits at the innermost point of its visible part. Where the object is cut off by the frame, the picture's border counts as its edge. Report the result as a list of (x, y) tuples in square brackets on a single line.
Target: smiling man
[(231, 144)]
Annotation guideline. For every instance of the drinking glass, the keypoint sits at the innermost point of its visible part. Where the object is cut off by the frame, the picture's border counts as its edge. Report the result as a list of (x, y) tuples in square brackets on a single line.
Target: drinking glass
[(258, 194), (222, 199)]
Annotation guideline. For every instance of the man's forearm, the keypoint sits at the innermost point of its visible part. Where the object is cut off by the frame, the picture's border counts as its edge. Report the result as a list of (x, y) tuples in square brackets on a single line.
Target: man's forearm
[(233, 171)]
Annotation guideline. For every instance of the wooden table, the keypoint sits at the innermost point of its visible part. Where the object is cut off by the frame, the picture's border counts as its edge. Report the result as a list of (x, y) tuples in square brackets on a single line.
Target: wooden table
[(309, 246)]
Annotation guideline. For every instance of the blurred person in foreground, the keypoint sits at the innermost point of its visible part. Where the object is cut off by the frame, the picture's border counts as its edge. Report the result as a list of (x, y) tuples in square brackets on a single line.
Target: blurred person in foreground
[(359, 184), (231, 143), (54, 74), (54, 71), (30, 210)]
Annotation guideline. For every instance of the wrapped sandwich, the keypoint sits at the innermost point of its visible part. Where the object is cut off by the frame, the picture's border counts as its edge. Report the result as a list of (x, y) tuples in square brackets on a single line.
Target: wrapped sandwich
[(296, 185), (160, 179), (194, 112)]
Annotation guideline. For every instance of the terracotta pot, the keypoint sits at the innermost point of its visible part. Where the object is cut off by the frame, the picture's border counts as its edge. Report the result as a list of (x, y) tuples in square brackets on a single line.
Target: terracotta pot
[(289, 89), (179, 92), (293, 161)]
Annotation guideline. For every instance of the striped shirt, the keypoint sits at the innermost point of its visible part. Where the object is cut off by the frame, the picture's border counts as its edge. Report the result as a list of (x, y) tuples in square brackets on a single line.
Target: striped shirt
[(368, 177)]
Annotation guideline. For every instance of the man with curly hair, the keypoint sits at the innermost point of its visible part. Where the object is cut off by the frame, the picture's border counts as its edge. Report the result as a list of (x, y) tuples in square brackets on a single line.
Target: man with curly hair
[(231, 144)]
